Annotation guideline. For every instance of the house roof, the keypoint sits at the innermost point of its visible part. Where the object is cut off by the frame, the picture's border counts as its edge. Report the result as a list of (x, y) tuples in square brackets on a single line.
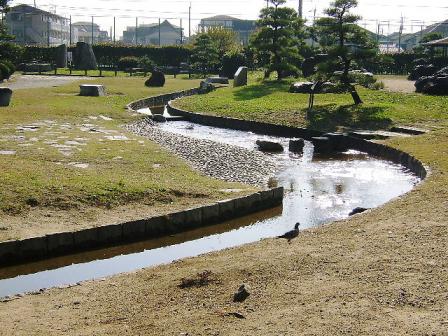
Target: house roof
[(220, 18), (437, 43), (30, 9)]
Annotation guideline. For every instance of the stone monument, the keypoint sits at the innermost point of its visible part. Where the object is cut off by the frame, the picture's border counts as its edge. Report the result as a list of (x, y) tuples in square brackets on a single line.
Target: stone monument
[(157, 79), (240, 78), (84, 57), (61, 56)]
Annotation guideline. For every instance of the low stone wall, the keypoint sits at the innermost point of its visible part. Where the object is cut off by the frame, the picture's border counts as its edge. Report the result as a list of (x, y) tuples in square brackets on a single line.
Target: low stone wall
[(12, 252), (160, 99)]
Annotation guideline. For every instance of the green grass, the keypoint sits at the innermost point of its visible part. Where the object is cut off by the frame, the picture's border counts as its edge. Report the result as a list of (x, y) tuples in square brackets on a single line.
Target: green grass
[(119, 172), (271, 102)]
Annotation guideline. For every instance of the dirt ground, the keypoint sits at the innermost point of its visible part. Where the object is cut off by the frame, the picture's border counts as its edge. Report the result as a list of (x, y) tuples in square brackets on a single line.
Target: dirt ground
[(383, 272), (398, 84), (35, 81)]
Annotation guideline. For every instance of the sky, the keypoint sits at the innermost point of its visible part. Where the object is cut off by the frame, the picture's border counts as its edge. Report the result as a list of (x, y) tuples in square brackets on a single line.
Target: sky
[(385, 13)]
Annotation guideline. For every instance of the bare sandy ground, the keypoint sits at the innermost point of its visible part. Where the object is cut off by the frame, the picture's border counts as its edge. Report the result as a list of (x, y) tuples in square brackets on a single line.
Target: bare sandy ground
[(398, 84), (35, 81)]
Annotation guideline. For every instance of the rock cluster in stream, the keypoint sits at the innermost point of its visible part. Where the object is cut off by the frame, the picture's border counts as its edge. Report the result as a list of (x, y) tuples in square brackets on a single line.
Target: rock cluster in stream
[(222, 161)]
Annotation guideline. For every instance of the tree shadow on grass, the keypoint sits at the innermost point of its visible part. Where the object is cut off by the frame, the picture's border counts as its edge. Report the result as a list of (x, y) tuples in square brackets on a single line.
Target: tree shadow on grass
[(260, 90), (328, 117)]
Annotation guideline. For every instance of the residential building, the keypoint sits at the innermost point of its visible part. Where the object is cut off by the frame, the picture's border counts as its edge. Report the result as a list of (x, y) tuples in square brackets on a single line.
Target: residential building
[(85, 29), (243, 28), (33, 26), (149, 34)]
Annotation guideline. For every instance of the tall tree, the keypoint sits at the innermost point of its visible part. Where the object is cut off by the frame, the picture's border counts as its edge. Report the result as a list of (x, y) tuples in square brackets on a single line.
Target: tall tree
[(279, 39), (204, 55), (225, 39), (3, 29), (344, 42)]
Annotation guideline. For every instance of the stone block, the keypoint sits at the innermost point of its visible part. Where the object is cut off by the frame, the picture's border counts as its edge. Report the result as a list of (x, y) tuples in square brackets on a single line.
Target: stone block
[(8, 251), (92, 90), (61, 56), (210, 214), (157, 79), (243, 205), (226, 210), (322, 145), (266, 198), (193, 218), (60, 242), (296, 145), (176, 221), (5, 96), (85, 238), (278, 194), (134, 230), (32, 248), (156, 226), (110, 234), (240, 78), (84, 57)]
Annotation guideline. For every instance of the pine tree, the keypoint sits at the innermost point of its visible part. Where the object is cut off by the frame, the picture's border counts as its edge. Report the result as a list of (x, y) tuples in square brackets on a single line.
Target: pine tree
[(205, 55), (344, 42), (3, 29), (278, 40)]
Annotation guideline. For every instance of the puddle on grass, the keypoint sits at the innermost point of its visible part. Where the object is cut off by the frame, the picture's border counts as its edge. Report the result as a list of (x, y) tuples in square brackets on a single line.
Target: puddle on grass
[(318, 190)]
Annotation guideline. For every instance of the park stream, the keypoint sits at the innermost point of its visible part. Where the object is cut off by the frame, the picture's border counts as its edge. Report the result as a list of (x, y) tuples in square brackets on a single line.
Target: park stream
[(318, 190)]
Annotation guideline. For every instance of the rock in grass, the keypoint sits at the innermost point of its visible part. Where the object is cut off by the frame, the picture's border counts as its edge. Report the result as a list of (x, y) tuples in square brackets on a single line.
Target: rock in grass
[(242, 293), (157, 79), (5, 96)]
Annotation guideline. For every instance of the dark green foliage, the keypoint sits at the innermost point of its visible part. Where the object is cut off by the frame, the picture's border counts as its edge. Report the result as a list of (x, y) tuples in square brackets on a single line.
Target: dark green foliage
[(11, 52), (231, 61), (128, 62), (6, 72), (3, 29), (431, 37), (344, 42), (278, 41), (146, 64), (109, 54), (205, 57)]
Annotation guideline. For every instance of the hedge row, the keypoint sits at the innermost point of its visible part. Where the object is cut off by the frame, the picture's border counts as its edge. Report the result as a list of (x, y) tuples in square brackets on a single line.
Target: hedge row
[(110, 54)]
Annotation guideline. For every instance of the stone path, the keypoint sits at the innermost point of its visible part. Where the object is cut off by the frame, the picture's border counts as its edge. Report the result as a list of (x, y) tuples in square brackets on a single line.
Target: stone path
[(230, 163)]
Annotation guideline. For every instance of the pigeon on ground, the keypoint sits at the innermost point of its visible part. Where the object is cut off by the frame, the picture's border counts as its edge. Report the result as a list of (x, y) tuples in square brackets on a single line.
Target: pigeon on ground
[(291, 234)]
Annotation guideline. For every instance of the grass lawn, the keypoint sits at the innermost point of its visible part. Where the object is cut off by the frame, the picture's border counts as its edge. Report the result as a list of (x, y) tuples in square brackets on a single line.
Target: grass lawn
[(271, 102), (64, 156)]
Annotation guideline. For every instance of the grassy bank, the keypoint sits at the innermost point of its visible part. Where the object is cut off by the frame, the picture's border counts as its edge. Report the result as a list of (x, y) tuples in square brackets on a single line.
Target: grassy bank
[(64, 156), (271, 102)]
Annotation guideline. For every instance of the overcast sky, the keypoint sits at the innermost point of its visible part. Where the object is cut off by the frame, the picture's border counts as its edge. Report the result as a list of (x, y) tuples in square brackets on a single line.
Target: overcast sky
[(387, 13)]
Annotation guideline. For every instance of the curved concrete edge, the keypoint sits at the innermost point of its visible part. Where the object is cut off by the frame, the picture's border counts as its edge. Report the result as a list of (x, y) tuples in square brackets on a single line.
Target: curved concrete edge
[(57, 244)]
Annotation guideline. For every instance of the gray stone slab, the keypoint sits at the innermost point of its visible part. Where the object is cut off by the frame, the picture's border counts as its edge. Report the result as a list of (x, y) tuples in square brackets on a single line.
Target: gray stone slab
[(156, 226), (240, 78), (92, 90)]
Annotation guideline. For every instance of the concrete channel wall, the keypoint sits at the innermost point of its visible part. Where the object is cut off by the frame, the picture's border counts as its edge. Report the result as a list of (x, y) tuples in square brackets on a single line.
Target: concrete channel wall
[(13, 252)]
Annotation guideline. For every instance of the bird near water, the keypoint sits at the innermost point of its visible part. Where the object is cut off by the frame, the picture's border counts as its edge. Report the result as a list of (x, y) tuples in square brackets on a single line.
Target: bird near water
[(290, 235)]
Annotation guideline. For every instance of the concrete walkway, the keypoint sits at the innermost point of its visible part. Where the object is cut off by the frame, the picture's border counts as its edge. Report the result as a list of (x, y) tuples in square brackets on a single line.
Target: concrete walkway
[(34, 81)]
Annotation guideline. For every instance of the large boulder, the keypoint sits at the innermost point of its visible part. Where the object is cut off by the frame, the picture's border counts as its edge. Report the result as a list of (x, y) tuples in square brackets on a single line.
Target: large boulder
[(269, 146), (240, 78), (5, 96), (322, 145), (421, 82), (301, 87), (61, 56), (157, 79), (205, 87), (217, 80), (84, 57)]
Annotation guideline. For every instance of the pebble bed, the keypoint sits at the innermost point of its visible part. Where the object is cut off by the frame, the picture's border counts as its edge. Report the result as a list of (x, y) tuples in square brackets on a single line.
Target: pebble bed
[(217, 160)]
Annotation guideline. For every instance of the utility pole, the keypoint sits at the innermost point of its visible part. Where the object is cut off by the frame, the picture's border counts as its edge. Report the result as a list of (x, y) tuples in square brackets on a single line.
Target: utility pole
[(181, 32), (160, 42), (301, 9), (48, 31), (114, 29), (92, 30), (136, 28), (71, 37), (189, 21), (400, 32)]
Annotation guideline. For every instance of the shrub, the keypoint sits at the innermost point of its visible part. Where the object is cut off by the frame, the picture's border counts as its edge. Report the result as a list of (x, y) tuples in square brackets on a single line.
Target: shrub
[(11, 52), (5, 71), (230, 63), (10, 65), (1, 75), (146, 64), (128, 62)]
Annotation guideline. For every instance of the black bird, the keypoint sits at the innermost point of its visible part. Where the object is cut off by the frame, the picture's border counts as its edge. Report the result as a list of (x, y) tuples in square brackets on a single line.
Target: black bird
[(290, 235)]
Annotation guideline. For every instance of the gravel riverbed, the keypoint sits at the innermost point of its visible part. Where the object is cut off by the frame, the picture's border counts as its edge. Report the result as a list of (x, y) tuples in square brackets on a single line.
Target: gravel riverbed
[(222, 161)]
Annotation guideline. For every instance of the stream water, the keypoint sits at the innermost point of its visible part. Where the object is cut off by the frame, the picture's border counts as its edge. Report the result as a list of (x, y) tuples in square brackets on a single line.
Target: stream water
[(318, 190)]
